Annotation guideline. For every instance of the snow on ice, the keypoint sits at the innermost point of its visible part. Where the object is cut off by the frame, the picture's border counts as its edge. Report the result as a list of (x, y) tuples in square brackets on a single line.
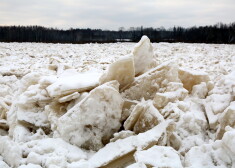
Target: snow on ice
[(117, 105)]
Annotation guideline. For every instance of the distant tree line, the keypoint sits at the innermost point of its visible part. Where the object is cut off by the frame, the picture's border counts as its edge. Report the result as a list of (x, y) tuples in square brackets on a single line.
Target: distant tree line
[(218, 33)]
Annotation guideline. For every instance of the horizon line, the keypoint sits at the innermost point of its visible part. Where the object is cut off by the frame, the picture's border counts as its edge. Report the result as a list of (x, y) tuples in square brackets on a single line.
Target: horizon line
[(121, 27)]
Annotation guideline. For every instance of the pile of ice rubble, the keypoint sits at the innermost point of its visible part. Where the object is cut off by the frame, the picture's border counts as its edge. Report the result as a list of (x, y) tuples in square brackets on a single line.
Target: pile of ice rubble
[(137, 114)]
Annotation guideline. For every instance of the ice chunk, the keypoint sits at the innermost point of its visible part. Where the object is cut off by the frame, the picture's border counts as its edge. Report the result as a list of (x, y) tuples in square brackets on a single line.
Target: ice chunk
[(175, 141), (127, 108), (226, 85), (69, 97), (122, 70), (143, 55), (220, 153), (30, 166), (215, 104), (159, 156), (203, 156), (57, 65), (3, 164), (148, 119), (4, 108), (219, 102), (219, 98), (12, 118), (171, 111), (150, 82), (200, 90), (45, 81), (143, 117), (35, 158), (227, 118), (212, 118), (134, 116), (190, 78), (30, 107), (3, 124), (52, 152), (28, 80), (228, 141), (191, 128), (33, 119), (55, 110), (195, 121), (80, 164), (121, 135), (137, 165), (92, 122), (120, 153), (75, 83), (10, 151), (21, 133), (174, 92), (3, 132)]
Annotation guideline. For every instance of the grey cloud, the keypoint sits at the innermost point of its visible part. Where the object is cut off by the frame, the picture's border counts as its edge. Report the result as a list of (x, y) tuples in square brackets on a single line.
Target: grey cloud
[(115, 13)]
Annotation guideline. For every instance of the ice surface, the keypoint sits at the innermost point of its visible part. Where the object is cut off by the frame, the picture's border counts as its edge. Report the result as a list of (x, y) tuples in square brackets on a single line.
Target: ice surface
[(227, 118), (175, 106), (121, 135), (200, 90), (3, 164), (121, 151), (215, 154), (92, 122), (143, 55), (10, 151), (52, 152), (147, 84), (190, 78), (219, 98), (174, 91), (74, 83), (137, 165), (122, 70), (159, 156), (143, 117)]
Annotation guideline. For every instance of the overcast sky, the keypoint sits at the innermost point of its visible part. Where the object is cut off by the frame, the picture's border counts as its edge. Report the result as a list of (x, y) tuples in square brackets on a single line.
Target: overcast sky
[(112, 14)]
